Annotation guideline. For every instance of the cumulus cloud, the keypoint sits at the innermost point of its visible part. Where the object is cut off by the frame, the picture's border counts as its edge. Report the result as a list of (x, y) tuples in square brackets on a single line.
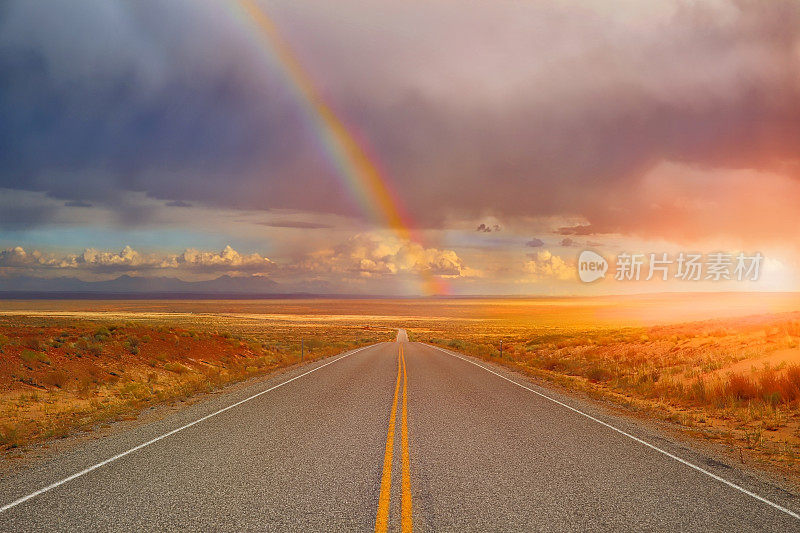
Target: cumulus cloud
[(371, 255), (94, 259), (535, 243), (566, 242), (18, 257), (91, 260), (362, 256), (226, 260), (546, 266)]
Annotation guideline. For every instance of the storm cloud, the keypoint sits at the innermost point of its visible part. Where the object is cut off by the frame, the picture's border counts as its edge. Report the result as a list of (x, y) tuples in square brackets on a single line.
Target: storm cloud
[(563, 111)]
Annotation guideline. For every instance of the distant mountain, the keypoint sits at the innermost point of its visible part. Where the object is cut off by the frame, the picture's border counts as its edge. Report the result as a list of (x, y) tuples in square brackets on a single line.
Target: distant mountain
[(135, 285)]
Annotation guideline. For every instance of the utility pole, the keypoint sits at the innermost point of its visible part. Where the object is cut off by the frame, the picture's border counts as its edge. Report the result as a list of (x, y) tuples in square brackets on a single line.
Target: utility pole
[(302, 349), (501, 348)]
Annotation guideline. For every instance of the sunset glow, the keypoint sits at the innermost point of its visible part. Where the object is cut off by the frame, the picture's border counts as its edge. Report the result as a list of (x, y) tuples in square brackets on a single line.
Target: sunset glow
[(386, 149), (314, 265)]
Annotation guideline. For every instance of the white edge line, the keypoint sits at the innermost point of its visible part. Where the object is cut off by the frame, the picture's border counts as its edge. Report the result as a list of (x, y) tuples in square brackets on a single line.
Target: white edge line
[(637, 439), (165, 435)]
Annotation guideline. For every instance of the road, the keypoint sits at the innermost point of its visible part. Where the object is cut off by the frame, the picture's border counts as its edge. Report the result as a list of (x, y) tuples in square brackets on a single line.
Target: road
[(470, 448)]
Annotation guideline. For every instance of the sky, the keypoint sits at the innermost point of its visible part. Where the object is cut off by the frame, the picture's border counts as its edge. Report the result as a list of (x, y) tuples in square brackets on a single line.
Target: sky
[(494, 141)]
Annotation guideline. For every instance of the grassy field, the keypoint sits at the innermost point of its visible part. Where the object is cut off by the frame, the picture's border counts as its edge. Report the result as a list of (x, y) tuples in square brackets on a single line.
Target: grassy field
[(68, 365), (61, 375)]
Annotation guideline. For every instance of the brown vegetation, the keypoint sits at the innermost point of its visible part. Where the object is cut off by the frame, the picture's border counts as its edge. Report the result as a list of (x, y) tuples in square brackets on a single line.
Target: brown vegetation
[(60, 375), (732, 380)]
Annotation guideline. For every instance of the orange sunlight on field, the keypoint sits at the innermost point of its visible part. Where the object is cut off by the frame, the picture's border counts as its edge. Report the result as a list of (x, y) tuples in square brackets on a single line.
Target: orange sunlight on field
[(601, 311), (724, 366)]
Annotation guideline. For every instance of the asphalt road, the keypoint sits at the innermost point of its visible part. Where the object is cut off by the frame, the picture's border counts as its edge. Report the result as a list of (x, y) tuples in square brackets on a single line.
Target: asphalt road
[(472, 448)]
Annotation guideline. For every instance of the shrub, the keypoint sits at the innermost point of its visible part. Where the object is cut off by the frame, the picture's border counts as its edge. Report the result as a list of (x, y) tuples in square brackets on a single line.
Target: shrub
[(741, 387), (29, 356), (456, 344), (552, 364), (176, 367), (35, 343), (313, 343), (134, 390), (699, 391), (793, 375), (87, 384), (598, 373), (132, 345), (789, 384), (10, 436), (57, 378)]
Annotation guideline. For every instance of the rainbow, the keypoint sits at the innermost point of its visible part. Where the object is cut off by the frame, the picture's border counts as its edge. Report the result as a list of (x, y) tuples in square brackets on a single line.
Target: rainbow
[(361, 174)]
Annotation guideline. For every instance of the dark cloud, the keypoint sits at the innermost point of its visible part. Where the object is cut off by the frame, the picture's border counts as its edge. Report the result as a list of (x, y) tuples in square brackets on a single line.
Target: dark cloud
[(77, 203), (300, 224), (567, 242), (566, 113), (535, 243), (178, 203), (20, 217), (173, 100), (488, 228), (580, 229)]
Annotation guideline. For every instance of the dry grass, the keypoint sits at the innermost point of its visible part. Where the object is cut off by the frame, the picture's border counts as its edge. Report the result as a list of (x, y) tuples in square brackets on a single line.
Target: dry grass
[(732, 380), (58, 376)]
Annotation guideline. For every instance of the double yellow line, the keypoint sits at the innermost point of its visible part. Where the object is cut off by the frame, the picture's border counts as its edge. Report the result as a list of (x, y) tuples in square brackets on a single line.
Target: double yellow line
[(382, 520)]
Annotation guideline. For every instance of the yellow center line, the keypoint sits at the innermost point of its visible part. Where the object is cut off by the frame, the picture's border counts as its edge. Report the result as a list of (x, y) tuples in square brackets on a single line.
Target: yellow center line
[(382, 520), (406, 524)]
